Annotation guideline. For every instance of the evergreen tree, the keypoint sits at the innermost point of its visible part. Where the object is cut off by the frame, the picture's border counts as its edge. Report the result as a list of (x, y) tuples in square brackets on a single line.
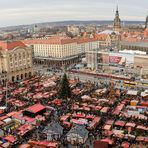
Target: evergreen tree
[(64, 90)]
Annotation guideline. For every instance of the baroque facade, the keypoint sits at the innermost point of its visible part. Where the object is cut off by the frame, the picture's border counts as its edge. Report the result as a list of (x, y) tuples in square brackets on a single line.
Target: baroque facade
[(15, 61)]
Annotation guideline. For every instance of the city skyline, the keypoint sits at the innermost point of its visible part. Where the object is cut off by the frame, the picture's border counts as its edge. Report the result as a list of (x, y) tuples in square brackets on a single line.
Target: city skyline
[(21, 12)]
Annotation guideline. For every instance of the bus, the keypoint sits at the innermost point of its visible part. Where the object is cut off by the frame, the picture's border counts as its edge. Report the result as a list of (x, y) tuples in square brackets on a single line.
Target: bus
[(129, 83)]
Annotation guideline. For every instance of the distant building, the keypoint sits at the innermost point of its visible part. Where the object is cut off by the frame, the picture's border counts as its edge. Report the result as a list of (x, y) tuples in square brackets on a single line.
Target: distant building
[(142, 46), (117, 25), (108, 38), (100, 60), (117, 21), (15, 61), (73, 29)]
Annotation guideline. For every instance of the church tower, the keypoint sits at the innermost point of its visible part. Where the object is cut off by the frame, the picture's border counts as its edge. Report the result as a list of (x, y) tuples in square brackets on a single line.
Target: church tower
[(117, 21), (146, 28), (146, 23)]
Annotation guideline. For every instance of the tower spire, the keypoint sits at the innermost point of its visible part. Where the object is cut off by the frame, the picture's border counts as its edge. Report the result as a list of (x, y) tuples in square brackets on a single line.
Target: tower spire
[(146, 22), (117, 21), (117, 11), (117, 7)]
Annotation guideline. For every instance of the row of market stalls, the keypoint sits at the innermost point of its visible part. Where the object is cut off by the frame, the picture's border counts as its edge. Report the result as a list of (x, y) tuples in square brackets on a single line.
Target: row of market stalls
[(113, 115), (17, 124)]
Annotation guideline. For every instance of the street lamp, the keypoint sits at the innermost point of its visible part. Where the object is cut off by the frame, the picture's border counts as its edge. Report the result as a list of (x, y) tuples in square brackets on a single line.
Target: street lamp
[(6, 97)]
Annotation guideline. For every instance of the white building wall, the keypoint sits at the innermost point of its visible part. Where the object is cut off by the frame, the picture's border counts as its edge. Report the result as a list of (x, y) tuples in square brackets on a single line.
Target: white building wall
[(63, 50)]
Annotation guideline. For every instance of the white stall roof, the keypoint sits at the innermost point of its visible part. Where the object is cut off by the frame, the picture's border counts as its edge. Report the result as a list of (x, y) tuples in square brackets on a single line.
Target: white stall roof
[(132, 92), (7, 120)]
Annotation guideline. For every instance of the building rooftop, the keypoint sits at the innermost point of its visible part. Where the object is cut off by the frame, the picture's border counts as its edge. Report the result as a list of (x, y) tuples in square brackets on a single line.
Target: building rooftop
[(79, 130), (109, 32), (36, 108), (58, 40), (133, 52), (139, 44), (11, 45)]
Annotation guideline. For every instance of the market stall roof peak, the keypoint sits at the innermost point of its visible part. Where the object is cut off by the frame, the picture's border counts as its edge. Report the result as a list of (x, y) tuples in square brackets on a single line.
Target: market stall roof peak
[(36, 108)]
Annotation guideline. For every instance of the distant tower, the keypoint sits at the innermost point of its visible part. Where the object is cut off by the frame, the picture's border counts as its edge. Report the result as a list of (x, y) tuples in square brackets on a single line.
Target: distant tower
[(146, 28), (117, 21), (146, 23), (36, 29)]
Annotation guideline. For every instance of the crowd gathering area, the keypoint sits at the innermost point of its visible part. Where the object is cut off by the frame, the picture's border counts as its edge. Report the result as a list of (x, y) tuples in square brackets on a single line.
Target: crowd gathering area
[(96, 115)]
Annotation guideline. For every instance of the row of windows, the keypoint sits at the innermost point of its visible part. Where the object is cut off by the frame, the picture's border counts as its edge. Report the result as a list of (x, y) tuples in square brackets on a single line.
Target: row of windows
[(19, 63), (55, 46), (20, 67)]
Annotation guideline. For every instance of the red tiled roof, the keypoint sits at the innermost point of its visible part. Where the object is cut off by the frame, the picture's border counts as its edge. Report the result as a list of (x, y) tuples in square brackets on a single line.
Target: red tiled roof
[(10, 138), (85, 40), (51, 40), (48, 144), (36, 108), (100, 144), (25, 146), (101, 37), (3, 117), (11, 45), (58, 40), (120, 123)]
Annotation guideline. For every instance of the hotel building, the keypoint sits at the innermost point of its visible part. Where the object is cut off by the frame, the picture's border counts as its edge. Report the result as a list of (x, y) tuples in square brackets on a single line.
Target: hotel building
[(60, 51)]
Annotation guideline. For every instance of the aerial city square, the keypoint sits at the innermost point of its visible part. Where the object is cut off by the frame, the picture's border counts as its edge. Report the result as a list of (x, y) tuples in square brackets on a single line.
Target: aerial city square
[(74, 74)]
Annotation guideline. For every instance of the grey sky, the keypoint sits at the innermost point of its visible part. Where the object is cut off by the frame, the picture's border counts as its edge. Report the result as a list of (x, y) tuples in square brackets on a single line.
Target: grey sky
[(14, 12)]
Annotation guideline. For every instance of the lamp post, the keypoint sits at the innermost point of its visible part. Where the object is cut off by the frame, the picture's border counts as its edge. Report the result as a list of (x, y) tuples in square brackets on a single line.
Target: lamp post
[(6, 94), (6, 97), (141, 72)]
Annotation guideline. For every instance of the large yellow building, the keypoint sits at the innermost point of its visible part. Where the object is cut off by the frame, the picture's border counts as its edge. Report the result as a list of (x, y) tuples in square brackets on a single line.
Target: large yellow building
[(15, 61), (60, 51)]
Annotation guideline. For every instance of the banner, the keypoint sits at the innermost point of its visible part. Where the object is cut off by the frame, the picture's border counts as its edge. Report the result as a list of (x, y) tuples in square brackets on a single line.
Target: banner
[(114, 59)]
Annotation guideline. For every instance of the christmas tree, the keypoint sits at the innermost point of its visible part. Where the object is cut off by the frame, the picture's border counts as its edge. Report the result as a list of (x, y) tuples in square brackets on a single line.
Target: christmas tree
[(64, 90)]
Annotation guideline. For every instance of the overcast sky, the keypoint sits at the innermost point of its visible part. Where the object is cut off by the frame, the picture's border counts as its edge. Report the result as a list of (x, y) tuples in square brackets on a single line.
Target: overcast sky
[(15, 12)]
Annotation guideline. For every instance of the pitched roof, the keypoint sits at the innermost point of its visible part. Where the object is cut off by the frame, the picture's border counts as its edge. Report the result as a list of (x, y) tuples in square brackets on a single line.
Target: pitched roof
[(58, 40), (36, 108), (50, 40), (100, 144), (54, 128), (11, 45), (101, 37), (79, 130), (109, 32)]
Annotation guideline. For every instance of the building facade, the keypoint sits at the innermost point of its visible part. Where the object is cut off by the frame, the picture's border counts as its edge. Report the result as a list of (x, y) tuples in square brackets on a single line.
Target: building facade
[(59, 51), (142, 46), (108, 39), (97, 60), (15, 61), (109, 61), (73, 29), (141, 62)]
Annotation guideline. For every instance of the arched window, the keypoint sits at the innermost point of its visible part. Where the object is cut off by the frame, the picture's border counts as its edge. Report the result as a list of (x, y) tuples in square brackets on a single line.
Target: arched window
[(20, 56), (24, 56)]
